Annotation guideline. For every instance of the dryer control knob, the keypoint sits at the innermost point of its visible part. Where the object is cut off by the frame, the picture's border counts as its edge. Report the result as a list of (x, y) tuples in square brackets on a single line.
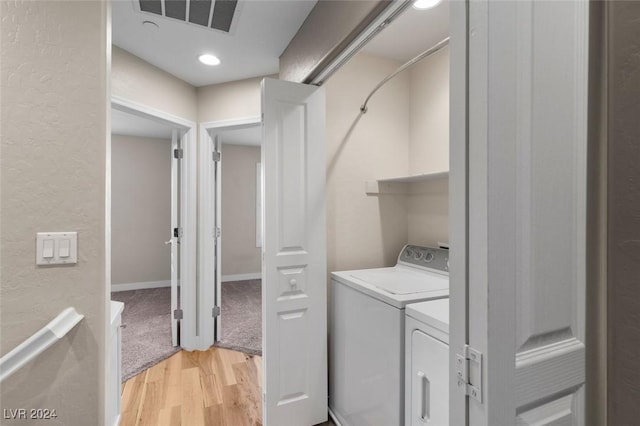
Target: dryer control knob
[(428, 257)]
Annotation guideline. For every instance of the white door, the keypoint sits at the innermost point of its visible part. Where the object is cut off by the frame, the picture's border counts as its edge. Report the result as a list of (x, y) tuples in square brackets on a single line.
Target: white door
[(173, 240), (294, 274), (518, 191)]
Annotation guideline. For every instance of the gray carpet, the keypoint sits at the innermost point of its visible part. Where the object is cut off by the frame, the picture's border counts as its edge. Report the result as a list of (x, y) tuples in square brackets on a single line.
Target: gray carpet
[(146, 336), (242, 316)]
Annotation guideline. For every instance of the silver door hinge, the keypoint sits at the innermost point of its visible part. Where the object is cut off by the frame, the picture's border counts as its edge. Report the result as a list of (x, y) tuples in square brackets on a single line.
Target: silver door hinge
[(177, 232), (215, 311), (177, 314), (178, 153), (469, 371), (218, 232), (216, 156)]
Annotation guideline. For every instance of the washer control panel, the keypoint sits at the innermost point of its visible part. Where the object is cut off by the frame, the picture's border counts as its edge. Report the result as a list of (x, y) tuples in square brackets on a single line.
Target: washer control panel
[(425, 257)]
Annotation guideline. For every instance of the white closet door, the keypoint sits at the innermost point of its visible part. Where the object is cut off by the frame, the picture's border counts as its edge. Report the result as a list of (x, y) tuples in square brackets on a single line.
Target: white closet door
[(526, 213), (294, 294)]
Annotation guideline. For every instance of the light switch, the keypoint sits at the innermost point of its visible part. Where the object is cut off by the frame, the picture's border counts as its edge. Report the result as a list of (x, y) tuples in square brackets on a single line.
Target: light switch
[(47, 248), (56, 248), (64, 248)]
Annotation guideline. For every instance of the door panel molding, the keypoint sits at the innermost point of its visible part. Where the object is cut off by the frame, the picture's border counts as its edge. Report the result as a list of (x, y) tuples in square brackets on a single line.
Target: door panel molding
[(527, 150), (294, 267)]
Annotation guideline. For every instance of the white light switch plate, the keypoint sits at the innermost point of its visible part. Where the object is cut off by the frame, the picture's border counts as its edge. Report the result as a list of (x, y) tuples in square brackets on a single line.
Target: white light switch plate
[(67, 240)]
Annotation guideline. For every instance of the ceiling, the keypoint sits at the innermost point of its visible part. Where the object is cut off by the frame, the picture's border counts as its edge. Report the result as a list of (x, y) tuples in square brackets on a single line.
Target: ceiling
[(251, 136), (411, 33), (123, 123), (259, 33)]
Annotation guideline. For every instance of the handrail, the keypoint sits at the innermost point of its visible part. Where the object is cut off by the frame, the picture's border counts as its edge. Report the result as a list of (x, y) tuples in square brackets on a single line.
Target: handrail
[(38, 342)]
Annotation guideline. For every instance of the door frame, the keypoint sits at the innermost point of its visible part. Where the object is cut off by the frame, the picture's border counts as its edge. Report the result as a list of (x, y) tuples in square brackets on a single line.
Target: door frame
[(188, 212), (209, 216)]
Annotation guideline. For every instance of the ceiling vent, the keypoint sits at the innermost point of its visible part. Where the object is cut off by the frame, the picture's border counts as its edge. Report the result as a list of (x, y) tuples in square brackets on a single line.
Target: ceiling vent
[(214, 14)]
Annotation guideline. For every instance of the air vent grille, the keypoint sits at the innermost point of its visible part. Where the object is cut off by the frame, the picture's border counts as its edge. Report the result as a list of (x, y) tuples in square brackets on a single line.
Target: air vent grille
[(214, 14)]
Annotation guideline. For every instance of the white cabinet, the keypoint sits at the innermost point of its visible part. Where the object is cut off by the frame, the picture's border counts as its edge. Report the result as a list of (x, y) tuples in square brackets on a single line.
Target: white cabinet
[(114, 372)]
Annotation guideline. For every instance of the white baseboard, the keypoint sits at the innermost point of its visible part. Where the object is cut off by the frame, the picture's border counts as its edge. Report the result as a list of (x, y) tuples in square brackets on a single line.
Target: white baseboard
[(140, 286), (242, 277)]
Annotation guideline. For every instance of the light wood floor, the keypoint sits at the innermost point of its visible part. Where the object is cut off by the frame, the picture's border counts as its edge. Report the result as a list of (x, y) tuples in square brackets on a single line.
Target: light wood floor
[(214, 387)]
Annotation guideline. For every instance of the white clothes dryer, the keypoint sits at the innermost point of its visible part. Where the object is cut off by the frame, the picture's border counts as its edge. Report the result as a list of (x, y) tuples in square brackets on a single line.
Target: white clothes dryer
[(427, 363), (366, 341)]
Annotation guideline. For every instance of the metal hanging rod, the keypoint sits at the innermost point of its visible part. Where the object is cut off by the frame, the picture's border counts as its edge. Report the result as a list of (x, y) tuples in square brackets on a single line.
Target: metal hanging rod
[(403, 67)]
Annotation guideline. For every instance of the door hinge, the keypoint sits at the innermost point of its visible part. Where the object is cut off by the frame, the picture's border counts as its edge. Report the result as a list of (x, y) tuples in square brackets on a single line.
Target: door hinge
[(216, 156), (177, 314), (218, 232), (215, 311), (178, 153), (469, 371), (177, 232)]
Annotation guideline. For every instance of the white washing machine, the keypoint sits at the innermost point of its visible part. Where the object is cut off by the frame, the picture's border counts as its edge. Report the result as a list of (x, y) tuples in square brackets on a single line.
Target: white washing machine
[(366, 341), (427, 363)]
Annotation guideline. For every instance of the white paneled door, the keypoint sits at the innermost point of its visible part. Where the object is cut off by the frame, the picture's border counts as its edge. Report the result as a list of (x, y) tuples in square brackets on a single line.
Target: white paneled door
[(519, 173), (294, 254)]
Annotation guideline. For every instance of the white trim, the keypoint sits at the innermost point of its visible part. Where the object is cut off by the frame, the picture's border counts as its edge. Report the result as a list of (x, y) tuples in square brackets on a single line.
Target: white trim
[(242, 277), (139, 286), (237, 123), (458, 203), (209, 210), (141, 110), (258, 205)]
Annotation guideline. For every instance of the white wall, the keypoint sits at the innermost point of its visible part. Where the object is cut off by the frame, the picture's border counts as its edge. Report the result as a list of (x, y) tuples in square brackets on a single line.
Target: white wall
[(428, 204), (405, 131), (136, 80), (140, 209), (239, 252), (228, 101), (365, 231), (53, 109), (429, 106)]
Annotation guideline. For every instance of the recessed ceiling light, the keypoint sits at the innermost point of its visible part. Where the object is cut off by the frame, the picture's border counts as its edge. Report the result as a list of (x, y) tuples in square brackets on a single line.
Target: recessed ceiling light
[(425, 4), (209, 59)]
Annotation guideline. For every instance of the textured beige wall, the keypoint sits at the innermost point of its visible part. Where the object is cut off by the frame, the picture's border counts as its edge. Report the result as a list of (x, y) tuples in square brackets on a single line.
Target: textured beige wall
[(428, 204), (239, 252), (230, 101), (365, 231), (326, 32), (54, 108), (136, 80), (140, 209)]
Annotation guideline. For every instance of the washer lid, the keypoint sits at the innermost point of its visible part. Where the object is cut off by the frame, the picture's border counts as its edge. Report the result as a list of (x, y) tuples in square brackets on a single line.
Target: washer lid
[(402, 280), (432, 312)]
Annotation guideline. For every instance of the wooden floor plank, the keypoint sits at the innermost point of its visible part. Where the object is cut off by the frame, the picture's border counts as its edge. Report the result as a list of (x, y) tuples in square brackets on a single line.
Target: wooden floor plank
[(192, 398), (217, 387)]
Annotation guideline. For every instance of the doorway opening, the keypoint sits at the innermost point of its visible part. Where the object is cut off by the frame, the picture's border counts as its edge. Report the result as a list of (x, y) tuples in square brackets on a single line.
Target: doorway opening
[(150, 232), (231, 206), (240, 201)]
